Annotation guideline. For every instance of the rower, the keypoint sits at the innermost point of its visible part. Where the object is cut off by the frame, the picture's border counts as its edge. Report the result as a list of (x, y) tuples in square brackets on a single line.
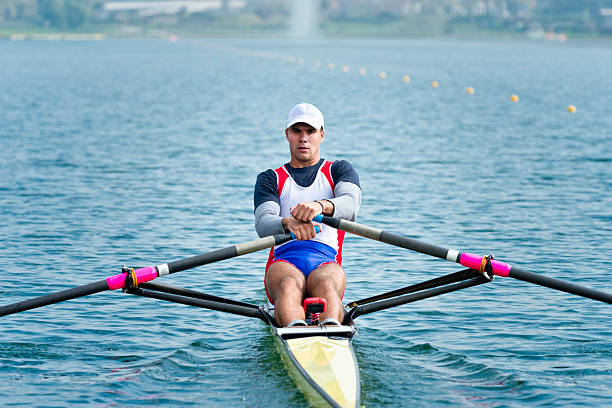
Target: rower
[(287, 199)]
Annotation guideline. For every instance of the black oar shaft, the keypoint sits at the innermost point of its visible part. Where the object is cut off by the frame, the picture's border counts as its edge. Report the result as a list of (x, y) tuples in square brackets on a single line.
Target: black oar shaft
[(557, 284), (226, 253), (466, 259), (57, 297), (387, 237)]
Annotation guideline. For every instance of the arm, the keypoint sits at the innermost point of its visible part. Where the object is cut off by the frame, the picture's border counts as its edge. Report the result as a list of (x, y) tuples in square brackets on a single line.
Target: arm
[(347, 191), (267, 211), (346, 201), (267, 219), (267, 205), (268, 222)]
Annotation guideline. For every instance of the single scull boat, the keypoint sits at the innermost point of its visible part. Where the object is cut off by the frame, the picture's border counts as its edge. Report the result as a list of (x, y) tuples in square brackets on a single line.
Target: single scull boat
[(320, 359)]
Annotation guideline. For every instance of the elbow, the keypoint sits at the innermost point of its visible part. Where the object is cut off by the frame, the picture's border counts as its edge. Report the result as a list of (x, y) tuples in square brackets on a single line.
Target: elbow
[(259, 228)]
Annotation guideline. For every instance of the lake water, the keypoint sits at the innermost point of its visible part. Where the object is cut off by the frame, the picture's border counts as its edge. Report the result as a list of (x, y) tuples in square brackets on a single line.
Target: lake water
[(142, 152)]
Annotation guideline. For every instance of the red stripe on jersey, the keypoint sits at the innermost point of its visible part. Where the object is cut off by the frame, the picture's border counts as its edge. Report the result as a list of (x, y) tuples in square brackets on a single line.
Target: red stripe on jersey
[(340, 242), (282, 176), (326, 170)]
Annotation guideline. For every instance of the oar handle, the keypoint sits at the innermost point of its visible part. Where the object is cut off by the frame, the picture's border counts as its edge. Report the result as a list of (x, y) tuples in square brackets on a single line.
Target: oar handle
[(483, 264), (316, 228)]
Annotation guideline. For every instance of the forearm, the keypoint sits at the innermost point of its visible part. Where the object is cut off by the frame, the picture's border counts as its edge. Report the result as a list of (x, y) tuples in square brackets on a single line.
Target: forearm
[(267, 219), (346, 203)]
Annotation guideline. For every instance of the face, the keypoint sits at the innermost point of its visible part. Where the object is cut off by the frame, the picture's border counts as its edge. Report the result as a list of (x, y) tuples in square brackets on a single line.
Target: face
[(304, 144)]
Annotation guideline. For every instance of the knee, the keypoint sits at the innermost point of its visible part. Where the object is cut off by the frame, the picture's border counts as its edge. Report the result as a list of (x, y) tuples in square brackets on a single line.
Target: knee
[(289, 284), (326, 287)]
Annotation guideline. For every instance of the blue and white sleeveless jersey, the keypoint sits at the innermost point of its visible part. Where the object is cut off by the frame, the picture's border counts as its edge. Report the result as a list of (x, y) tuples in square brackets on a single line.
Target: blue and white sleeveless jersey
[(287, 186)]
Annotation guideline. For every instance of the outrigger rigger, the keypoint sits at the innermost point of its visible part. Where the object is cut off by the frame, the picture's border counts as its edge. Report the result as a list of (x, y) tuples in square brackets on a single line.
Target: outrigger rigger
[(319, 358)]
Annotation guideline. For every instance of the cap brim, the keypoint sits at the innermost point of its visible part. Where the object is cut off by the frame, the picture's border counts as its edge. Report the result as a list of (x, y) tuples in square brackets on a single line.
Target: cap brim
[(305, 119)]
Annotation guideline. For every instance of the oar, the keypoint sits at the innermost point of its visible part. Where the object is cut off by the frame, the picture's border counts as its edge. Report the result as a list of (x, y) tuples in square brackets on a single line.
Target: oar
[(484, 264), (148, 273)]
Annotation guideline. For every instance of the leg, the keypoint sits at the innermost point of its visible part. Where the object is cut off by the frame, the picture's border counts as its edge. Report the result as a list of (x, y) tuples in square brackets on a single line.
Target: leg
[(328, 281), (286, 286)]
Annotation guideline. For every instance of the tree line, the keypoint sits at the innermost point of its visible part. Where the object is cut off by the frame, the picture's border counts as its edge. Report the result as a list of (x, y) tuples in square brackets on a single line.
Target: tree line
[(65, 14), (575, 15)]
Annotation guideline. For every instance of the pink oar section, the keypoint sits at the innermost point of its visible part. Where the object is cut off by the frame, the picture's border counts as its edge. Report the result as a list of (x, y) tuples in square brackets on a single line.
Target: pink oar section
[(483, 264), (141, 275), (479, 263)]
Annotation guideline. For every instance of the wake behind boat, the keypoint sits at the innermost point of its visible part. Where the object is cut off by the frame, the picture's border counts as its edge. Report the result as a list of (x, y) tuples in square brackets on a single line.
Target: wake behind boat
[(320, 359)]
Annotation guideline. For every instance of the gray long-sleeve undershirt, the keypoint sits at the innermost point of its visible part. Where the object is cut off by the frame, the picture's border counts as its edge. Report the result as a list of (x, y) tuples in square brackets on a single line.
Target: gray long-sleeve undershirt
[(346, 205)]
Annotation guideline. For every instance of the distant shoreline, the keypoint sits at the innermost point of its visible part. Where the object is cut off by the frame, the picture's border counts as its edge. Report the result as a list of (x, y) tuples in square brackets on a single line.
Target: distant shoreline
[(21, 32)]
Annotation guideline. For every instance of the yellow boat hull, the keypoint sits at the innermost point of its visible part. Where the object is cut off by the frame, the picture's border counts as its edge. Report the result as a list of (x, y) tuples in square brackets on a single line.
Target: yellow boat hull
[(322, 363)]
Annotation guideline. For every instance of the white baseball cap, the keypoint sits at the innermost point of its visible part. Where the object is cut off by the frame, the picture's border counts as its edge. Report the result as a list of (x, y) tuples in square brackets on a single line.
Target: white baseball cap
[(305, 113)]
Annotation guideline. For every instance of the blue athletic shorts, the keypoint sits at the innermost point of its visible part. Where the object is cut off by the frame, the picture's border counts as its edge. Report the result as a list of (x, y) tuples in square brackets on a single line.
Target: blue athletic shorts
[(305, 255)]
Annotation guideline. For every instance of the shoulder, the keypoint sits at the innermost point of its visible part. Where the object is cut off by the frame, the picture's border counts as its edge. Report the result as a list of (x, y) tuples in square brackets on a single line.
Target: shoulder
[(266, 188), (266, 176), (342, 170), (341, 166)]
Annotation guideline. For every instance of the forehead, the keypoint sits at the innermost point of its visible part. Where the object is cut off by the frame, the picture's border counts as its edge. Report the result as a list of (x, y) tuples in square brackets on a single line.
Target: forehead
[(300, 126)]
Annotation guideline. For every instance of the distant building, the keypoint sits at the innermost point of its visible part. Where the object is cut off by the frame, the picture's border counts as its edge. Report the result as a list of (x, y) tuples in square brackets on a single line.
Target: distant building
[(604, 23), (156, 8)]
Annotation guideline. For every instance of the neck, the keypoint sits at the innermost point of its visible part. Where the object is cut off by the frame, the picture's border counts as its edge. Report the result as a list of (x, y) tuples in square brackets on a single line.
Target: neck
[(297, 164)]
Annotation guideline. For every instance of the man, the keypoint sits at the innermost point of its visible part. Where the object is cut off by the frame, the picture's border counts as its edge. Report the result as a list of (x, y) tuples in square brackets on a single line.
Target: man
[(287, 199)]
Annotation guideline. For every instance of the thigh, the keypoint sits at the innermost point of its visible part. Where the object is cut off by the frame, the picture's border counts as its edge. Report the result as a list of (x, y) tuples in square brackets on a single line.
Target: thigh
[(282, 277), (326, 275)]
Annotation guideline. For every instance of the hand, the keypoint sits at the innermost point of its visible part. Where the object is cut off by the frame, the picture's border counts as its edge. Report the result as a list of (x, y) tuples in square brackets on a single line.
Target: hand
[(301, 230), (305, 212)]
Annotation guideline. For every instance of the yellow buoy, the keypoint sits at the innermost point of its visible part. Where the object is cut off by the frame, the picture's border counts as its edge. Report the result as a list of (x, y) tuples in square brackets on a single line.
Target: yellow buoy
[(406, 78), (382, 75), (331, 65), (469, 90), (362, 71), (435, 84), (318, 64), (345, 68), (514, 98), (571, 109)]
